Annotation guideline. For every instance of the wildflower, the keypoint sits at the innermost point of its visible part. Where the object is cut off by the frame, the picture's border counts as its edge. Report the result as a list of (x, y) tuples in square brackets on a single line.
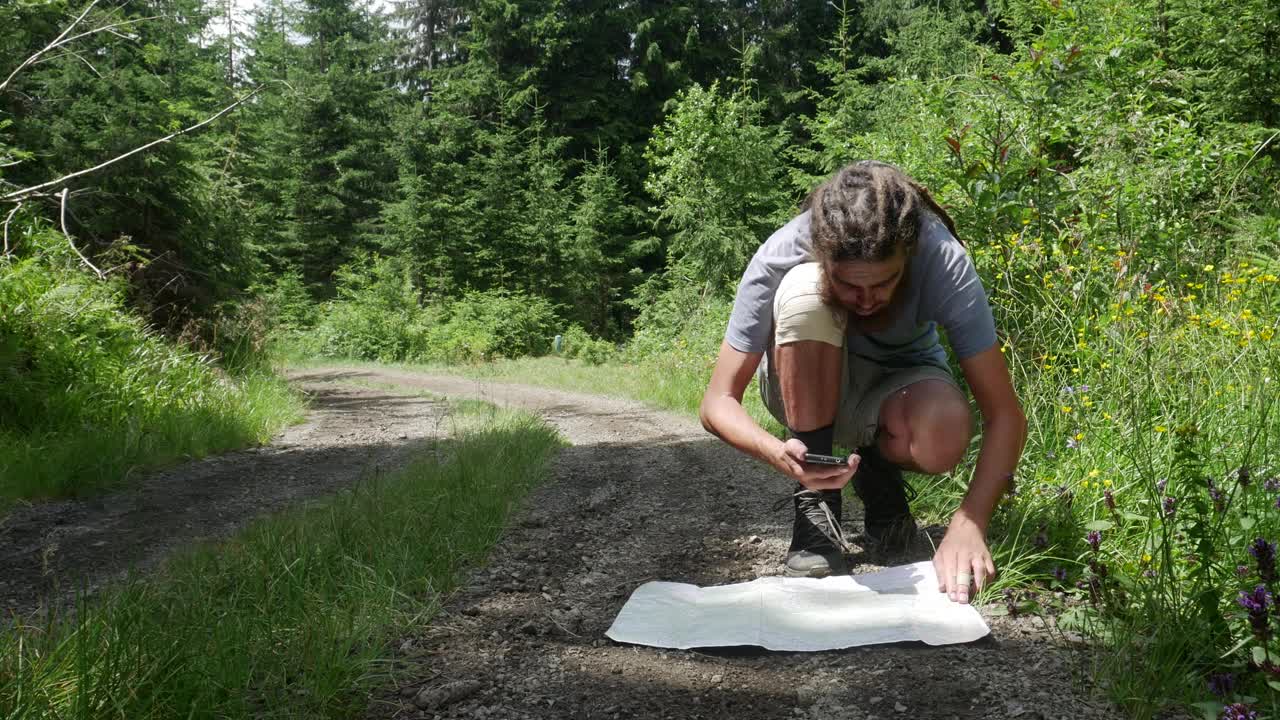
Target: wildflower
[(1060, 574), (1148, 573), (1256, 602), (1161, 428), (1110, 499), (1219, 501), (1161, 484), (1094, 473), (1271, 484), (1242, 570), (1083, 389), (1242, 476), (1238, 711), (1094, 538), (1278, 503), (1170, 506), (1072, 443), (1221, 684), (1265, 553)]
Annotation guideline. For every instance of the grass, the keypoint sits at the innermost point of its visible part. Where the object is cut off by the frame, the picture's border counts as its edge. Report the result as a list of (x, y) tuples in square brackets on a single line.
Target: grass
[(291, 617), (88, 456)]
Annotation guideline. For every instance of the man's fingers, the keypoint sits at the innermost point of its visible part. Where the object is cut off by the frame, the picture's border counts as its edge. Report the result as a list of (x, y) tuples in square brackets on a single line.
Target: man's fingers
[(979, 573)]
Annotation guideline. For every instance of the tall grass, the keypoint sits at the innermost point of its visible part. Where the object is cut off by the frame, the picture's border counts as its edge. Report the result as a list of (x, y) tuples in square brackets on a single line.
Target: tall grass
[(290, 618), (91, 395)]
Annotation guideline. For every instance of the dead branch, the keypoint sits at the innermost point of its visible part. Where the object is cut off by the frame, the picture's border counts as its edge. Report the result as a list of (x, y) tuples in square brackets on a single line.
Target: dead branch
[(35, 189), (63, 40), (74, 54), (70, 242), (8, 220), (48, 47)]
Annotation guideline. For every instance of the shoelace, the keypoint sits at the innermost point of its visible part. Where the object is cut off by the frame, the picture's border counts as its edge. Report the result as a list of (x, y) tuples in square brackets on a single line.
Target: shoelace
[(831, 529)]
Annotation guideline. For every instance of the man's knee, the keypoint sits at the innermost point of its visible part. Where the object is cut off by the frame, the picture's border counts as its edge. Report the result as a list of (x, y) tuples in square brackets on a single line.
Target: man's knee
[(936, 426)]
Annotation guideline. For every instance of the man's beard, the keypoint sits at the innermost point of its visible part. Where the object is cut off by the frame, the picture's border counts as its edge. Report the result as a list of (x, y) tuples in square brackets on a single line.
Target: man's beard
[(877, 321)]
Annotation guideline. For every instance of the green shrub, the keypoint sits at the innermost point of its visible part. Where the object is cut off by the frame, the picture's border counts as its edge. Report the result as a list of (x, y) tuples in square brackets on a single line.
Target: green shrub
[(487, 325), (579, 344)]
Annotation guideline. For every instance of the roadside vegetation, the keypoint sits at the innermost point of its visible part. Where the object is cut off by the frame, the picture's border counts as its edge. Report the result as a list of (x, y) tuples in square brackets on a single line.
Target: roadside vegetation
[(291, 617), (91, 396)]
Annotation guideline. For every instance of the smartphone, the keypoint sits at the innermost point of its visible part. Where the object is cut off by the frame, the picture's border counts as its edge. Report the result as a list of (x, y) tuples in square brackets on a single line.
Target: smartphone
[(816, 459)]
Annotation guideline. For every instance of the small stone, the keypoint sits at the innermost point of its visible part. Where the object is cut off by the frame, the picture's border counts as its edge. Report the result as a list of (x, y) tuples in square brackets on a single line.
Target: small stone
[(899, 707), (876, 699), (447, 694), (717, 679), (755, 539)]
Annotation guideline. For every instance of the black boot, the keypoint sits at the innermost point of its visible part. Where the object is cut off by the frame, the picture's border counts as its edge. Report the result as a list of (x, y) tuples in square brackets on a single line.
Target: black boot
[(812, 552), (885, 496)]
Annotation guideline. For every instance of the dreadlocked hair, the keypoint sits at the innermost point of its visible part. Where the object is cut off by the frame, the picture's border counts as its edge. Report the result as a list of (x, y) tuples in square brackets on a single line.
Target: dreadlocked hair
[(868, 210)]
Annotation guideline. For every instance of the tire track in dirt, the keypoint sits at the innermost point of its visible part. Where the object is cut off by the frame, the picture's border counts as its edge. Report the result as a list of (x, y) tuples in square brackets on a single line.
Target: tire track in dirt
[(49, 550)]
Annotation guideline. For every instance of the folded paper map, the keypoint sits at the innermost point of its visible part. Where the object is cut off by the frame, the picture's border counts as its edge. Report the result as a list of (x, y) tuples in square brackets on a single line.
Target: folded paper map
[(897, 604)]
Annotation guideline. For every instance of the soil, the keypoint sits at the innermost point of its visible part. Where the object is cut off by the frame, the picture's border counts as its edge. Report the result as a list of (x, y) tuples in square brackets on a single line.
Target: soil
[(640, 495)]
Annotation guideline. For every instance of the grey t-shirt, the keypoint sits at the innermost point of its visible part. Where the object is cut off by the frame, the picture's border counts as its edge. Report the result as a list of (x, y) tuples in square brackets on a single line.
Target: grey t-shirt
[(944, 290)]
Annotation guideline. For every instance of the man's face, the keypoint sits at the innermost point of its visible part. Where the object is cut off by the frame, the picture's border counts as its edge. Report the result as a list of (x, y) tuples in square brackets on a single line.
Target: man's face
[(867, 289)]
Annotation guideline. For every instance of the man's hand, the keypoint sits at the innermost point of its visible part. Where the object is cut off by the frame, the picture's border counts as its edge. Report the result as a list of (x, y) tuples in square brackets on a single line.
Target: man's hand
[(788, 458), (962, 560)]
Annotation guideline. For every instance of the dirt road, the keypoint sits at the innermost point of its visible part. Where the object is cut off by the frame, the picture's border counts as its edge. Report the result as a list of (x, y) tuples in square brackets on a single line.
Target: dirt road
[(641, 495)]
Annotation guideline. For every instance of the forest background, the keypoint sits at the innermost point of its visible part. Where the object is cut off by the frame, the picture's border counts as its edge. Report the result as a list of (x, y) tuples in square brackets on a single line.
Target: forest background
[(463, 181)]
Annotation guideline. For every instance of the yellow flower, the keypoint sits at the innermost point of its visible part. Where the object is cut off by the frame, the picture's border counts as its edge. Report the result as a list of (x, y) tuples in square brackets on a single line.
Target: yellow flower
[(1208, 268), (1146, 557), (1066, 408), (1161, 428), (1106, 416), (1094, 473), (1079, 436), (1107, 483)]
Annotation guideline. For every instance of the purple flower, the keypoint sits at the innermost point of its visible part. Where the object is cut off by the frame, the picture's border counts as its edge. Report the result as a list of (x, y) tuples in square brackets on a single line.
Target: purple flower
[(1082, 388), (1161, 485), (1242, 476), (1221, 684), (1271, 484), (1148, 573), (1094, 538), (1238, 711), (1278, 503), (1242, 570), (1256, 603), (1265, 553), (1072, 443), (1110, 499), (1219, 500), (1068, 390), (1060, 574), (1170, 506)]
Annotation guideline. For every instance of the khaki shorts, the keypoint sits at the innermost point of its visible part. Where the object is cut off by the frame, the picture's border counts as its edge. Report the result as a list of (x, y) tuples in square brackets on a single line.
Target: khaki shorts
[(864, 384)]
